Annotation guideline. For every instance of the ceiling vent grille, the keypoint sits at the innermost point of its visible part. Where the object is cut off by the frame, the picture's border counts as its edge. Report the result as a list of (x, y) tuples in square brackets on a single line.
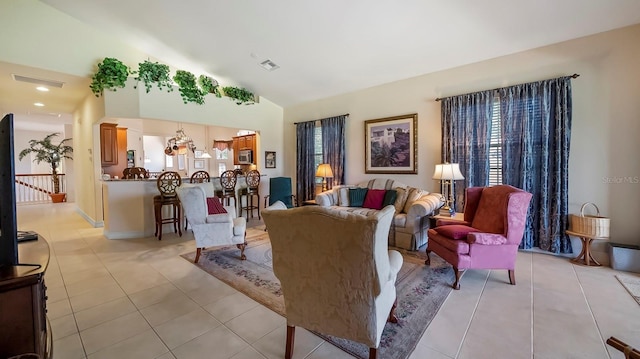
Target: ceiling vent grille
[(31, 80), (269, 65)]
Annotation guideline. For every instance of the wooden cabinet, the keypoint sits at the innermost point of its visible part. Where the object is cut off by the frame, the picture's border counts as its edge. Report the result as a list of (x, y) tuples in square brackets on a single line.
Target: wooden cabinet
[(23, 321), (246, 142), (108, 144)]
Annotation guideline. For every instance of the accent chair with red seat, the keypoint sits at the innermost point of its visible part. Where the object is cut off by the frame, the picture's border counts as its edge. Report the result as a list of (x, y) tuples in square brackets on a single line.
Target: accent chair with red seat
[(494, 223)]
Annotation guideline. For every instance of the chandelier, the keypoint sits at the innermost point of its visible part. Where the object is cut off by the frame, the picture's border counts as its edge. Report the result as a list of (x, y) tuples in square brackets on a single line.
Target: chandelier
[(179, 144)]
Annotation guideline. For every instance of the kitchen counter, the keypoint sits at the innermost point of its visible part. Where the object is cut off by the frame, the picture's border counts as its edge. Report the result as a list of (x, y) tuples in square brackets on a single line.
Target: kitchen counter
[(128, 205)]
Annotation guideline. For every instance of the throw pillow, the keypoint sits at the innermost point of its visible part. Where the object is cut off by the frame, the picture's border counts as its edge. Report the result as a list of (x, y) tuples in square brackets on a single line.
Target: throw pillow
[(389, 197), (374, 199), (413, 195), (343, 197), (356, 196), (214, 206), (400, 199), (455, 231)]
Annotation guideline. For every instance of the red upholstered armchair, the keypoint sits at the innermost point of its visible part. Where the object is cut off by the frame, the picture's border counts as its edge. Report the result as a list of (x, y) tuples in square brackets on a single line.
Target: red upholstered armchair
[(494, 222)]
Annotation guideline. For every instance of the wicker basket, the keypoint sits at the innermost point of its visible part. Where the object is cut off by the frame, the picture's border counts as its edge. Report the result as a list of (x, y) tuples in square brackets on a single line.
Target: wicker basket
[(592, 226)]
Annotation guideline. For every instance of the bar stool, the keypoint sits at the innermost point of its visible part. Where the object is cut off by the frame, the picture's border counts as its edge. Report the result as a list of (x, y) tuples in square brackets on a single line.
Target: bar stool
[(252, 191), (228, 182), (135, 173), (167, 183), (197, 177)]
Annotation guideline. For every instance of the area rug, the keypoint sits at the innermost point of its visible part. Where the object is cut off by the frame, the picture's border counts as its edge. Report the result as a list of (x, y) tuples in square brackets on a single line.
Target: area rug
[(421, 290), (631, 284)]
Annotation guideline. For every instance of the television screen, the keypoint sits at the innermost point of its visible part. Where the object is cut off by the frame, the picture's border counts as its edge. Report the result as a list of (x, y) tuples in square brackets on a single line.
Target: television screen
[(8, 230)]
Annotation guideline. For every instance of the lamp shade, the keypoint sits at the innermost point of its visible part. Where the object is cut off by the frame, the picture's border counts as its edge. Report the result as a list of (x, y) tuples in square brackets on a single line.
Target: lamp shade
[(448, 171), (206, 154), (324, 170)]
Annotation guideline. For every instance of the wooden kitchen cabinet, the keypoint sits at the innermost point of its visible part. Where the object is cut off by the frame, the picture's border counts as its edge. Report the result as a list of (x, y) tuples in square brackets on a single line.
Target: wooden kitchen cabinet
[(108, 144), (246, 142)]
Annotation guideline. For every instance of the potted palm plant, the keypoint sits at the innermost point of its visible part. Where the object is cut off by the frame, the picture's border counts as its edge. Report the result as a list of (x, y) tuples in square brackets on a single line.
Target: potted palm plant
[(46, 151)]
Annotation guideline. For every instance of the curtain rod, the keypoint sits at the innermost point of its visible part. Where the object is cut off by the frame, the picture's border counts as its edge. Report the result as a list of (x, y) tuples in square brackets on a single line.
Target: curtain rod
[(495, 89), (346, 115)]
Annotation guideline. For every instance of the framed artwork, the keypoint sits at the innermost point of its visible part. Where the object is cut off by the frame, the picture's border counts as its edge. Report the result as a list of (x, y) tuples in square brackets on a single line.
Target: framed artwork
[(197, 153), (269, 159), (198, 164), (391, 145)]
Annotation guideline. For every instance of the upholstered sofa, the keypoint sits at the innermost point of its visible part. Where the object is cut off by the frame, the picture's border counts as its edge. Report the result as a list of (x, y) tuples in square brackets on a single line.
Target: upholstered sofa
[(413, 206)]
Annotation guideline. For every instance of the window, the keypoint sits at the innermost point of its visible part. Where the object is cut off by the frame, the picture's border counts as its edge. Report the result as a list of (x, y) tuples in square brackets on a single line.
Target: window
[(495, 145), (317, 149), (221, 168), (222, 154)]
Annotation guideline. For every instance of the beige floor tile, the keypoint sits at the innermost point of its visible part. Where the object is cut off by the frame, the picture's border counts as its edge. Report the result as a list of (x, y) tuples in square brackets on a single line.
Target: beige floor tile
[(423, 352), (69, 347), (210, 291), (145, 345), (136, 282), (112, 332), (87, 285), (74, 277), (273, 345), (255, 323), (104, 312), (248, 353), (218, 343), (231, 306), (96, 297), (63, 326), (57, 293), (184, 328), (328, 351), (147, 297), (168, 355), (168, 309), (58, 309)]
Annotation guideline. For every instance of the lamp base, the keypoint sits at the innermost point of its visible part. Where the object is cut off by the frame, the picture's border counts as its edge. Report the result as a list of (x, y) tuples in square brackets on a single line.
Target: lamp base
[(445, 211)]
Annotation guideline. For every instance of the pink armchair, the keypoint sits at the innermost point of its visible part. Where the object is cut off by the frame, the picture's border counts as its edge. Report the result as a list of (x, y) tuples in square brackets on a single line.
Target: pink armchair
[(494, 222)]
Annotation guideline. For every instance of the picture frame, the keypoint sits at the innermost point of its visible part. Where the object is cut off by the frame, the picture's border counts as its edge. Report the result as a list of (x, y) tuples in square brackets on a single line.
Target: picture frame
[(269, 159), (198, 164), (391, 145), (198, 153)]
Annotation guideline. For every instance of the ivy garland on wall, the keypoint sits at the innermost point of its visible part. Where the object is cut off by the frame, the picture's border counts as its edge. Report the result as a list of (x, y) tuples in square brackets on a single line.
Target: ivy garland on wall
[(112, 74)]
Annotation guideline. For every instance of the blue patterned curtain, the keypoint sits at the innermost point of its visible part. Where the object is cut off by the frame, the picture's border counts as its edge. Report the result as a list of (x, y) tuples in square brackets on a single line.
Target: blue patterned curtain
[(305, 168), (466, 125), (536, 130), (333, 147)]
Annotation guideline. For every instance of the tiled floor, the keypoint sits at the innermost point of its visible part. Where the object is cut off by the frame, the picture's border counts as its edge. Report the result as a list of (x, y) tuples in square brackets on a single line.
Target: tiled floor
[(139, 299)]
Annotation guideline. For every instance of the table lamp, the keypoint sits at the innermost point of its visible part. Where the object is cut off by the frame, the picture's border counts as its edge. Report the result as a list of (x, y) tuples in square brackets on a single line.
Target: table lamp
[(447, 173), (324, 171)]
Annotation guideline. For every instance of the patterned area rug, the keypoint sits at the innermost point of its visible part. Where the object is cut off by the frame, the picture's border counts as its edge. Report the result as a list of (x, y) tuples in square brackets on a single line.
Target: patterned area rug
[(631, 284), (421, 290)]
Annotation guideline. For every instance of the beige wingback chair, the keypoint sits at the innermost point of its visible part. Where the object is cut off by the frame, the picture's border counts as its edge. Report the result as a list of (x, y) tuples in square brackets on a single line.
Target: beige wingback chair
[(210, 230), (319, 255)]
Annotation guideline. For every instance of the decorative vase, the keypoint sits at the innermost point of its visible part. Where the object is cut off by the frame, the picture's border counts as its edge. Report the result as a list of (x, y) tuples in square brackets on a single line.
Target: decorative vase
[(57, 197)]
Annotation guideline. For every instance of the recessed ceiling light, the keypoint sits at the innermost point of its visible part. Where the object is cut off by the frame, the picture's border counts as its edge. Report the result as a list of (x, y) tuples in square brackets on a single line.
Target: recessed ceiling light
[(39, 104), (269, 65), (42, 88)]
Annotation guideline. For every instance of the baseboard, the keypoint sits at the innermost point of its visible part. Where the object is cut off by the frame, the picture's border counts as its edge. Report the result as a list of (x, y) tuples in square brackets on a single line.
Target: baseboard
[(94, 223)]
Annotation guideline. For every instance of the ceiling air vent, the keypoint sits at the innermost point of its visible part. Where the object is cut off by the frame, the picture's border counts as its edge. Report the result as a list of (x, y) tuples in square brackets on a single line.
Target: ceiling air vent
[(31, 80), (269, 65)]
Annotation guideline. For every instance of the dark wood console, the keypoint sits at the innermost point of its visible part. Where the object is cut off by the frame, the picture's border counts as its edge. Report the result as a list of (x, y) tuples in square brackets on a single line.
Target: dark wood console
[(24, 328)]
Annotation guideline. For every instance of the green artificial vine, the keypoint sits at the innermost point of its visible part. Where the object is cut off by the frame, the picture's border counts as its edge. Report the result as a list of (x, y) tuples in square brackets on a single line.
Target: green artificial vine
[(188, 88), (112, 73), (240, 95), (153, 72), (209, 85)]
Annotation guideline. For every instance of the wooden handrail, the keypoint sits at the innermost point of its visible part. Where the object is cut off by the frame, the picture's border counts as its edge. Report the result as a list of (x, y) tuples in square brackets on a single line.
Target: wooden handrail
[(629, 352), (32, 186)]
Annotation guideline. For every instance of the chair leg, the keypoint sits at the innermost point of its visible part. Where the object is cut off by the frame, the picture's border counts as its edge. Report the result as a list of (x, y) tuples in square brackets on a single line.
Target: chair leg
[(178, 224), (392, 314), (291, 333), (457, 272), (428, 260), (373, 353), (512, 276), (242, 247), (198, 252)]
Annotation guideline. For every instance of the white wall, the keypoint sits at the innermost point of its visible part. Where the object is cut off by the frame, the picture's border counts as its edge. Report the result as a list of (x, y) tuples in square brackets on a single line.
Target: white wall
[(605, 128)]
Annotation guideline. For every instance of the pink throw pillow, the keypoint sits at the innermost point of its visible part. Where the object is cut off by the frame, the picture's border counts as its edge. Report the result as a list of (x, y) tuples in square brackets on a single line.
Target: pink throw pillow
[(455, 231), (374, 199), (214, 206)]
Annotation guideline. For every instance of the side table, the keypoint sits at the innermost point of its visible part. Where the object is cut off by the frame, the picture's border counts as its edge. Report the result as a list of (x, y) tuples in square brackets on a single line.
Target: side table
[(433, 220), (585, 258), (311, 202)]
